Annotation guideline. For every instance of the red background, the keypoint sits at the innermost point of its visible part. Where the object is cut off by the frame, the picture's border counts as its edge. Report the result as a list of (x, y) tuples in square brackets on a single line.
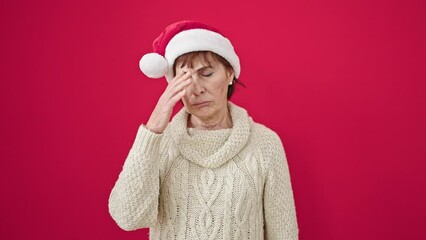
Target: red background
[(342, 83)]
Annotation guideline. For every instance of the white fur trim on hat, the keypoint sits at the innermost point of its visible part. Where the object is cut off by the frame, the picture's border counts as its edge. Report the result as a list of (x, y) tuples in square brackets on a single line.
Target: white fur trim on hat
[(200, 40)]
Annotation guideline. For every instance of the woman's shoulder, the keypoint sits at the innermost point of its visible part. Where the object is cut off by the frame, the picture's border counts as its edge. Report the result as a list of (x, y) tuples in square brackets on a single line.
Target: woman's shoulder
[(263, 132), (266, 139)]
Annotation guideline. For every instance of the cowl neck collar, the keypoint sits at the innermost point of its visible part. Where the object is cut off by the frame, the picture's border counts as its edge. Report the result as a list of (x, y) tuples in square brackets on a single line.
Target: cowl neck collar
[(211, 148)]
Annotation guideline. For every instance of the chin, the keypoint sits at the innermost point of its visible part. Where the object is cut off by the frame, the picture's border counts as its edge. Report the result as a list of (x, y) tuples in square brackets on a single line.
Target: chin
[(201, 112)]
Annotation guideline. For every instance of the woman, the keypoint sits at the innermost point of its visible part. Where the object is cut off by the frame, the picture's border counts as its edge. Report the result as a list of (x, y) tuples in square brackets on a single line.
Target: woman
[(212, 172)]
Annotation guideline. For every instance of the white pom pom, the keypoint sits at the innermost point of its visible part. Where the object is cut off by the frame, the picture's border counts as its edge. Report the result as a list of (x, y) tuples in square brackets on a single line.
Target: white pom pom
[(153, 65)]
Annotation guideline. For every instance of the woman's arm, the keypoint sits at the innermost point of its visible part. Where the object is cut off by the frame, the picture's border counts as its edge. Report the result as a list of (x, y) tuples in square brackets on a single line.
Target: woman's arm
[(279, 207), (133, 202)]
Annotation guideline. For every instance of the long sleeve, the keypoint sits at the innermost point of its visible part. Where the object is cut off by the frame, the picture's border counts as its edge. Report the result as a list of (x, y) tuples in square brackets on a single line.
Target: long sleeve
[(133, 202), (279, 205)]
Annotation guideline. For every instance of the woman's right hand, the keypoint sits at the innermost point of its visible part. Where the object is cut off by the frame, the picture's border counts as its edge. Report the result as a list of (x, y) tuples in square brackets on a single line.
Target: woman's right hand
[(176, 89)]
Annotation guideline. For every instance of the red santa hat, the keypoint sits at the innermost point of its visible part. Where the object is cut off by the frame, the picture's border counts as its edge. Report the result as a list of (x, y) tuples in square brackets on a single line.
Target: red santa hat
[(184, 37)]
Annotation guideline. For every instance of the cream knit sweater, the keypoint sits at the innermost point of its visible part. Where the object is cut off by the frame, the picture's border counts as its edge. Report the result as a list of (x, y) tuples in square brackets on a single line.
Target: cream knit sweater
[(206, 184)]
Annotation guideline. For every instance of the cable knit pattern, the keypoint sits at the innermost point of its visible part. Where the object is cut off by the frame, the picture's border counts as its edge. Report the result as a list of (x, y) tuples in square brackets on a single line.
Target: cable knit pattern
[(207, 184)]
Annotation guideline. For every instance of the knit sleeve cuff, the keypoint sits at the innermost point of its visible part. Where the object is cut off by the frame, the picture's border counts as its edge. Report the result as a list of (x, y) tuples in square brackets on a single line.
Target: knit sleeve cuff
[(146, 141)]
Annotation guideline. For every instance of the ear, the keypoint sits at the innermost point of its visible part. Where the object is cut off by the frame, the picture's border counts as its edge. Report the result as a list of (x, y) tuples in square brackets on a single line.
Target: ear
[(230, 74)]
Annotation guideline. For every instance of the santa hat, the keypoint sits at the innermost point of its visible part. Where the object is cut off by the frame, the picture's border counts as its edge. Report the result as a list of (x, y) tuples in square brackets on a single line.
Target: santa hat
[(184, 37)]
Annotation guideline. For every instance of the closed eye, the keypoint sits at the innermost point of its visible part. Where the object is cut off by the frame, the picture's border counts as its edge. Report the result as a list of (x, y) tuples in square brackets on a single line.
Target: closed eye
[(207, 75)]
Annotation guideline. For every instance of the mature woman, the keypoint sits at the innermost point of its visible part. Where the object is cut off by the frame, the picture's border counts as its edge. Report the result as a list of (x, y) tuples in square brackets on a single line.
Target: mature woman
[(211, 172)]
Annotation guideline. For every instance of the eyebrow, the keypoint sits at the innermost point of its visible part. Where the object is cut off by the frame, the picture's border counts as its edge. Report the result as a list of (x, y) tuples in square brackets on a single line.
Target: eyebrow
[(202, 68)]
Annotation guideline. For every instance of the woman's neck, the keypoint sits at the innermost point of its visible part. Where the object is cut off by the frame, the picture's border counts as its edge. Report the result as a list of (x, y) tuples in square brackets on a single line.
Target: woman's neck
[(219, 121)]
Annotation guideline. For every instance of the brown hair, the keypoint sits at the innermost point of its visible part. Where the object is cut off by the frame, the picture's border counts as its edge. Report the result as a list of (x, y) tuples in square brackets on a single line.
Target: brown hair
[(206, 56)]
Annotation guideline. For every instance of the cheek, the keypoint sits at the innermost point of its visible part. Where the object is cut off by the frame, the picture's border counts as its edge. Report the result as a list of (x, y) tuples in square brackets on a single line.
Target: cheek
[(219, 90), (220, 84), (222, 88)]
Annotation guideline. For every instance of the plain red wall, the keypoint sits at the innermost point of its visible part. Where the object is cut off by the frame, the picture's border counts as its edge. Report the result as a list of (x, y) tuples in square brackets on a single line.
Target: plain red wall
[(342, 83)]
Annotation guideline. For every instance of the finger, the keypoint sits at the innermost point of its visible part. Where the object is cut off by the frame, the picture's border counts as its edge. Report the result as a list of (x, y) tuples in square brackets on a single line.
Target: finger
[(178, 78), (179, 86), (178, 89), (177, 97)]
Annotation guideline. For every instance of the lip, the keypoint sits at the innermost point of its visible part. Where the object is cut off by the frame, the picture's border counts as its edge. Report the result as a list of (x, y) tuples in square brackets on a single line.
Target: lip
[(199, 104)]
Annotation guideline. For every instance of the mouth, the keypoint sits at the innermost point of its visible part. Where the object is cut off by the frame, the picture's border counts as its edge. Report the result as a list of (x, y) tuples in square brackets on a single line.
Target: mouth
[(199, 104)]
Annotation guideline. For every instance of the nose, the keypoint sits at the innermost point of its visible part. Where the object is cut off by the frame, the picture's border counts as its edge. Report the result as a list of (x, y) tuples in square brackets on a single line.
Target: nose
[(197, 87)]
